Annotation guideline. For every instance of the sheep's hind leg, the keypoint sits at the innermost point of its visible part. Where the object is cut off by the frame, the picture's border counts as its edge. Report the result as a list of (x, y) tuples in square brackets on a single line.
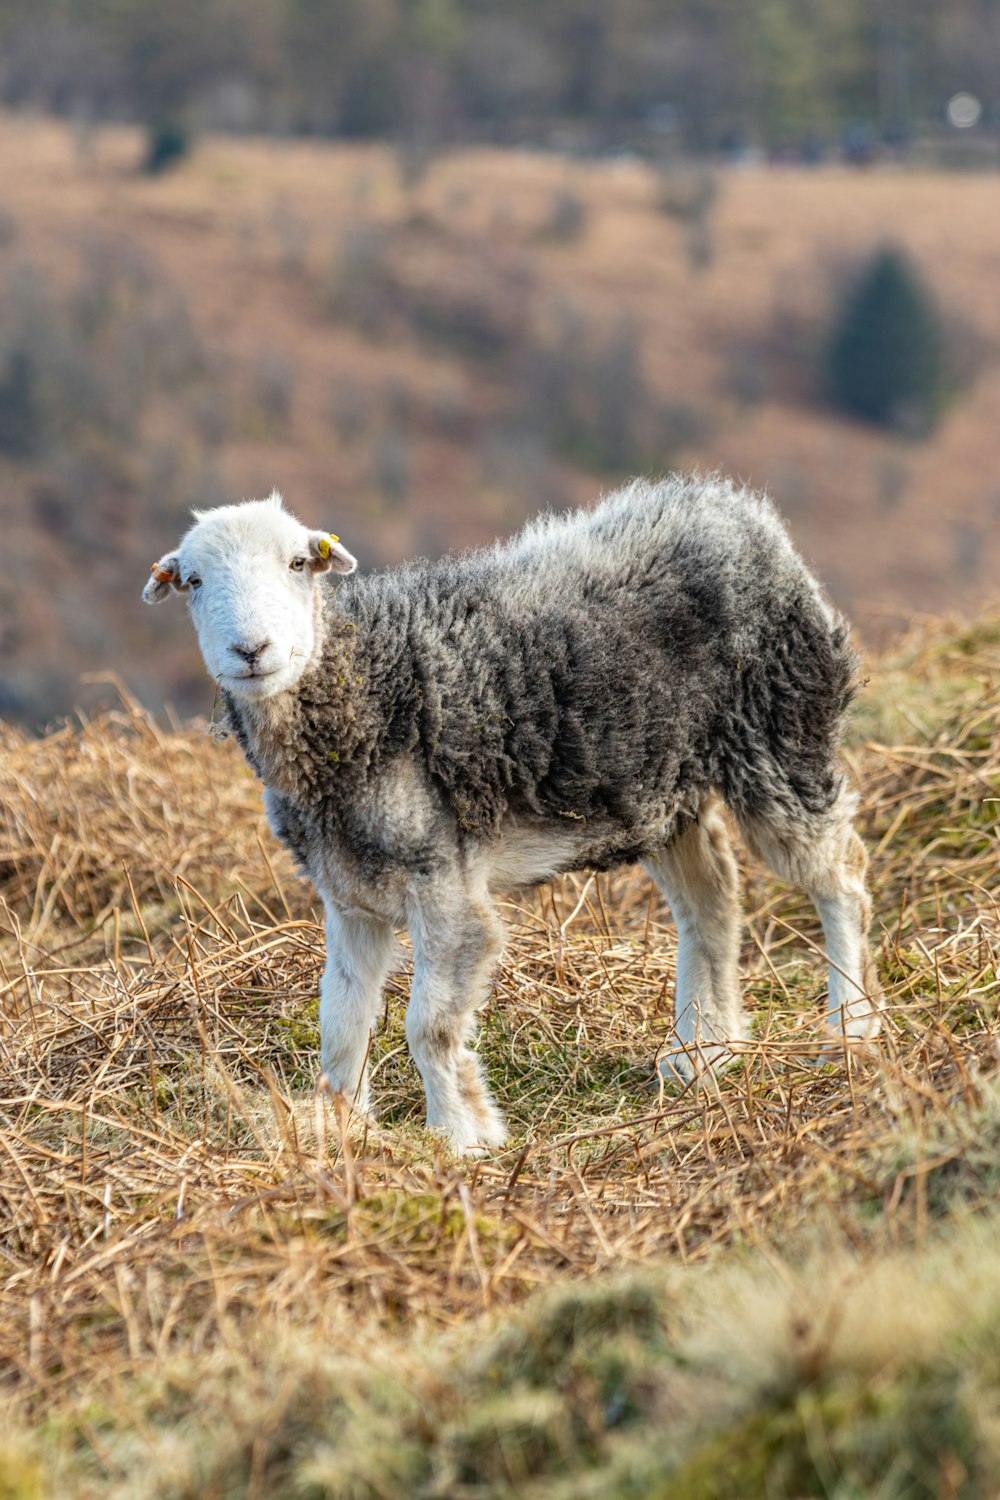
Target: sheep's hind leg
[(697, 873), (824, 856), (457, 938), (359, 954)]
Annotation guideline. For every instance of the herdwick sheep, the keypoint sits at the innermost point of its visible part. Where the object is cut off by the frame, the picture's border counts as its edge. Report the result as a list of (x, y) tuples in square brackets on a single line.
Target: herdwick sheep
[(585, 695)]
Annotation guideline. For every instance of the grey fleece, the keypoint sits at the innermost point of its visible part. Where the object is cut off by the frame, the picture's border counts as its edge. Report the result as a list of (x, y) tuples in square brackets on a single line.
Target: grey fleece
[(603, 671)]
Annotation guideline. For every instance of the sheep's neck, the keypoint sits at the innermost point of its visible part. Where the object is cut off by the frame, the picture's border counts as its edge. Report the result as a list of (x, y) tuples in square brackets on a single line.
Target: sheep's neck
[(307, 743)]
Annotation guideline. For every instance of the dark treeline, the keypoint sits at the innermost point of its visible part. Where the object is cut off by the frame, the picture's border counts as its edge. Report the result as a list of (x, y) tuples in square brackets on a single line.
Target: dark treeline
[(707, 73)]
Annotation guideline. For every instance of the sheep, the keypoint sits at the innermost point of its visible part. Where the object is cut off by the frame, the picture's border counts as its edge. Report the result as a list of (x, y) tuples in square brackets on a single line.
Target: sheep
[(593, 692)]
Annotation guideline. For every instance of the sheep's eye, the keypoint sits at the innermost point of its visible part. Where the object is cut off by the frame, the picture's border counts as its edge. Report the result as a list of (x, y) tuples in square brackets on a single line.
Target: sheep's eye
[(194, 582), (297, 564)]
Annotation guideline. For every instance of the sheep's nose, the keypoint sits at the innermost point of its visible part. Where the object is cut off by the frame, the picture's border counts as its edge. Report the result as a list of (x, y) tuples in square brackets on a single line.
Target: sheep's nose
[(250, 654)]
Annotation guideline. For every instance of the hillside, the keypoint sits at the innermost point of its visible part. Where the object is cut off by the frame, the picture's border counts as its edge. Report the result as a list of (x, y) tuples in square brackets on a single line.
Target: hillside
[(785, 1285), (422, 364)]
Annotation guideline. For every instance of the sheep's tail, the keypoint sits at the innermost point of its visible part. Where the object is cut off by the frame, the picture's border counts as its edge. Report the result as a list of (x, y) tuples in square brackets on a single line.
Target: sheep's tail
[(791, 706)]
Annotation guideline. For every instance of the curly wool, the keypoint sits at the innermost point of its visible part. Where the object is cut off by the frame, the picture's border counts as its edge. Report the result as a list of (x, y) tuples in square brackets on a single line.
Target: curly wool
[(609, 668)]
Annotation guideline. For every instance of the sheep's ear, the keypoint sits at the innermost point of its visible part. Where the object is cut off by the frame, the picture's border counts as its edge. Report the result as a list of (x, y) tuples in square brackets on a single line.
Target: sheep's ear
[(327, 551), (165, 576)]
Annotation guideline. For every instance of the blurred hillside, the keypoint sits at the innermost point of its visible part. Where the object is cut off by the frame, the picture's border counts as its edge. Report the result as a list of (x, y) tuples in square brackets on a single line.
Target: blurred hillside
[(421, 359), (713, 74)]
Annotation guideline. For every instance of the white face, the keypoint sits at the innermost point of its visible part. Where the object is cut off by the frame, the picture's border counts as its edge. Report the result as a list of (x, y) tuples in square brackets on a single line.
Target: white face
[(250, 573)]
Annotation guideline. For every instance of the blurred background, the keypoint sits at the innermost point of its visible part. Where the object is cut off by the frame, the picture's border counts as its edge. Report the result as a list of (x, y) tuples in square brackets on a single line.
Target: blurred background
[(429, 266)]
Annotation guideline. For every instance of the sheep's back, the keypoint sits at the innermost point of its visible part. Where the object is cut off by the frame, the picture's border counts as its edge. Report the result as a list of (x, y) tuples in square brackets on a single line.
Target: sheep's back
[(609, 664)]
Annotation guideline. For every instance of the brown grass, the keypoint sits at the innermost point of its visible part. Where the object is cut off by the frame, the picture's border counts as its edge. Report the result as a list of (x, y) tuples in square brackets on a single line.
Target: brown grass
[(172, 1188)]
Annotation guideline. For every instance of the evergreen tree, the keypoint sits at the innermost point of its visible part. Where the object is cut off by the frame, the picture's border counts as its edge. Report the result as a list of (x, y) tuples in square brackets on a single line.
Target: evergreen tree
[(20, 414), (884, 359)]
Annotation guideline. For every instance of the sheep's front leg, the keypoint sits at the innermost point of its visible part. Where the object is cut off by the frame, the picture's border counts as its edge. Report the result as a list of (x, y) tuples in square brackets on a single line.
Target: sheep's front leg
[(359, 955), (457, 938)]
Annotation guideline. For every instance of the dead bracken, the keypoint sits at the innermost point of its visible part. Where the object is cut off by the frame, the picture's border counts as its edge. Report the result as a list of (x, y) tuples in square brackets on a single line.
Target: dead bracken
[(171, 1189)]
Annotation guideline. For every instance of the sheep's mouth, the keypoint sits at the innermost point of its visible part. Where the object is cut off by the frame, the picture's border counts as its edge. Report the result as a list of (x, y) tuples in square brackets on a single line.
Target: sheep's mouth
[(252, 676)]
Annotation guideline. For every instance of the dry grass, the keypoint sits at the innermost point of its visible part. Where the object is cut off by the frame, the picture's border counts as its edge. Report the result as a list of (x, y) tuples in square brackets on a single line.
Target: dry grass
[(181, 1214)]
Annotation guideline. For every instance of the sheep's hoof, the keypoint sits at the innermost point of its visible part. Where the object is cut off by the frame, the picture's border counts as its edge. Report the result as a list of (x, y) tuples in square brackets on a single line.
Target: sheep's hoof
[(353, 1109), (483, 1143), (476, 1135), (851, 1036), (696, 1064)]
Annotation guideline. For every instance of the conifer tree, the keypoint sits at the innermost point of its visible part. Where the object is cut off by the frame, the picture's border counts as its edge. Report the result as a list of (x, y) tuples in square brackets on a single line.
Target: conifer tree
[(884, 359)]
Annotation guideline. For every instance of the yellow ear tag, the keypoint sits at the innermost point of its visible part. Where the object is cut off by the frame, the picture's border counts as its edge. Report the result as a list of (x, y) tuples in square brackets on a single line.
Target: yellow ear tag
[(324, 544)]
